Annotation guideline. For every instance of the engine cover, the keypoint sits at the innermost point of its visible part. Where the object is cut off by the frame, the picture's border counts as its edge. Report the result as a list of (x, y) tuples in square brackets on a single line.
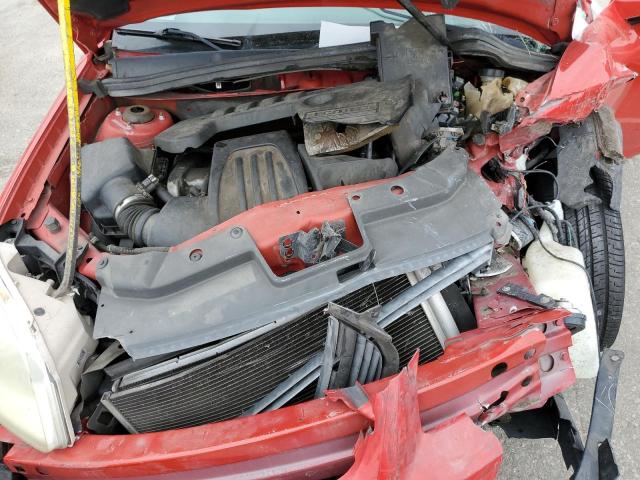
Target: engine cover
[(250, 171)]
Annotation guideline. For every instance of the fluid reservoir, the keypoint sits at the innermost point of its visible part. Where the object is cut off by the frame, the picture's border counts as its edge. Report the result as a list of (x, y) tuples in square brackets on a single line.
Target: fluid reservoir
[(139, 123), (563, 280)]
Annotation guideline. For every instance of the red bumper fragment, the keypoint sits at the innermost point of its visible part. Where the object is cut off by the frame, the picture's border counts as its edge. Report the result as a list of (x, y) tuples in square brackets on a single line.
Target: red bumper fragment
[(398, 448)]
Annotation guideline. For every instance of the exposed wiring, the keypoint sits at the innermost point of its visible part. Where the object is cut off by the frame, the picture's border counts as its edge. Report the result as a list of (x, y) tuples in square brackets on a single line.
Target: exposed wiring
[(118, 250), (571, 234), (556, 217), (556, 189)]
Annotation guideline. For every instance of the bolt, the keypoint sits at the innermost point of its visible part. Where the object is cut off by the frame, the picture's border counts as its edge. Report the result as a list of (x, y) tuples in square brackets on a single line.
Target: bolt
[(615, 358), (529, 353), (506, 289), (544, 299), (52, 224), (195, 255), (103, 262), (14, 222), (38, 311), (236, 232)]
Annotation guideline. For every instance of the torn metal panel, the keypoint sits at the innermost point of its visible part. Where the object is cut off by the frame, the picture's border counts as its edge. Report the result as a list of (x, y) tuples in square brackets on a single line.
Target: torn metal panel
[(398, 448), (329, 137), (173, 302), (589, 70), (325, 432)]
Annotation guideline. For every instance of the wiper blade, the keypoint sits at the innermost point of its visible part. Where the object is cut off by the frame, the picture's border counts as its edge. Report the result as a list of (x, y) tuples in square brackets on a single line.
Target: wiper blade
[(182, 35)]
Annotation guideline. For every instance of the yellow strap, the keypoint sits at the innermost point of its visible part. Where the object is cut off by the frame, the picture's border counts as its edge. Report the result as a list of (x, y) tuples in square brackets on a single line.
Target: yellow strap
[(73, 113)]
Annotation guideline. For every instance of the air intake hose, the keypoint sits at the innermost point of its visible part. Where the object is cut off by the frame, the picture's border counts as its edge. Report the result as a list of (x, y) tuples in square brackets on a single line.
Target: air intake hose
[(116, 185), (137, 216), (132, 216)]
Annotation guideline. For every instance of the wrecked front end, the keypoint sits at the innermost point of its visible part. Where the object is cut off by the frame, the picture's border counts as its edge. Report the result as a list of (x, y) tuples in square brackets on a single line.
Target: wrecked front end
[(291, 259)]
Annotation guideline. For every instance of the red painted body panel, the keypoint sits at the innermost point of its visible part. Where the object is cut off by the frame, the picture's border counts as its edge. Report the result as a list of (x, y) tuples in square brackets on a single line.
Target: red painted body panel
[(140, 134), (459, 382), (316, 438), (398, 447), (589, 74), (546, 20)]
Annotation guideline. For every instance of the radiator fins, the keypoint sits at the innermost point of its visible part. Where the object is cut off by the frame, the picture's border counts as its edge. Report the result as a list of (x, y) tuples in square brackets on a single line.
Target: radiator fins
[(226, 386)]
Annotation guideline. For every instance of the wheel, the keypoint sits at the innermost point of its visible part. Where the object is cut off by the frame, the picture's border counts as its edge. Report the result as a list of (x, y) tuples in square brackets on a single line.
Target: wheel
[(598, 231)]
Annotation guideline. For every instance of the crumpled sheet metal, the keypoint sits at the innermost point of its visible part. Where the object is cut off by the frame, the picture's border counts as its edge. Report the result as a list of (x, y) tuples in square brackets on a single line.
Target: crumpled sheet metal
[(399, 449), (589, 70), (329, 137)]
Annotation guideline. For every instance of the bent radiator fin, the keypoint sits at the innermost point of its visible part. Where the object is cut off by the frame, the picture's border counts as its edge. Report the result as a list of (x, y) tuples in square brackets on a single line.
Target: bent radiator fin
[(224, 387)]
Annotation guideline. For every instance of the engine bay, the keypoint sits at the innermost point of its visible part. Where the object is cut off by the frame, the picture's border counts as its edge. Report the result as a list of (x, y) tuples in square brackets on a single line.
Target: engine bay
[(266, 227)]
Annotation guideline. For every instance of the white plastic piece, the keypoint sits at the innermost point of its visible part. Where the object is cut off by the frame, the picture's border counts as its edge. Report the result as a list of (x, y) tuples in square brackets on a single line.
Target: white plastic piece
[(556, 206), (43, 349), (563, 280), (521, 162), (334, 34)]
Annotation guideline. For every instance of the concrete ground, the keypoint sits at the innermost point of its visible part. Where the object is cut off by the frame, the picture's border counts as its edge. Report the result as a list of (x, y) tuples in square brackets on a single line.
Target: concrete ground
[(31, 76)]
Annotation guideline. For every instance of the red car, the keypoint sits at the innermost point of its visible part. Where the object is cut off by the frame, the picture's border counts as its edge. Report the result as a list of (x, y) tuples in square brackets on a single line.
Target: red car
[(321, 239)]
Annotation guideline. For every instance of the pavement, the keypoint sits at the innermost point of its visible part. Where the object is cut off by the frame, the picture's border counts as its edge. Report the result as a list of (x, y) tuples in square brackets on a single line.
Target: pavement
[(31, 76)]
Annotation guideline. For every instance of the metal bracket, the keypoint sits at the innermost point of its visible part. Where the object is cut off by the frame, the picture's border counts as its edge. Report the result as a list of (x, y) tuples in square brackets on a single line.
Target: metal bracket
[(521, 293), (574, 322)]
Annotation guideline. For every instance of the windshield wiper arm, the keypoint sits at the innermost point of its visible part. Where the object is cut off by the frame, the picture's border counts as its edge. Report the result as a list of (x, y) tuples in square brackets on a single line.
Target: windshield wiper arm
[(182, 35)]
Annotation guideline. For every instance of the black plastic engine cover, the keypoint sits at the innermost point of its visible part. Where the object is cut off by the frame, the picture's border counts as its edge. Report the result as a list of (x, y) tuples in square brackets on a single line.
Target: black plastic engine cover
[(250, 171)]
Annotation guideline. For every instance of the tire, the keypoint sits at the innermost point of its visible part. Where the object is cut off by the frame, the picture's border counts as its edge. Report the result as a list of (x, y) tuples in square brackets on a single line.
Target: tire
[(598, 231)]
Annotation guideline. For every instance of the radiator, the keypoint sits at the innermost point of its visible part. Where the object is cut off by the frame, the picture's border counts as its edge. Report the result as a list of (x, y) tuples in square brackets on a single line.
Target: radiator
[(227, 385)]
